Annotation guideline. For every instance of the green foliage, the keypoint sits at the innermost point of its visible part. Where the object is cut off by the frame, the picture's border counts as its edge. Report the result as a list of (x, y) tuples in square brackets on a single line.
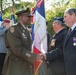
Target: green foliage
[(7, 11), (57, 9), (0, 5)]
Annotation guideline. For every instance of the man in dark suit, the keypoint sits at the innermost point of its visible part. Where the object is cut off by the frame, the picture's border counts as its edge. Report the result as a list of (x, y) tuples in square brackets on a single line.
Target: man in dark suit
[(19, 58), (70, 42), (55, 55), (48, 37)]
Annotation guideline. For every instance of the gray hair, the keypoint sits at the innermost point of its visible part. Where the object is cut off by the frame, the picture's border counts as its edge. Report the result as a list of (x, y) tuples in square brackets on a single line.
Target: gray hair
[(60, 23), (71, 11)]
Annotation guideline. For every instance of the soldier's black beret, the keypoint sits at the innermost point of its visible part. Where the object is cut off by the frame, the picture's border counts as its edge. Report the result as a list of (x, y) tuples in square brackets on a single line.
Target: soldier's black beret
[(23, 11), (59, 19)]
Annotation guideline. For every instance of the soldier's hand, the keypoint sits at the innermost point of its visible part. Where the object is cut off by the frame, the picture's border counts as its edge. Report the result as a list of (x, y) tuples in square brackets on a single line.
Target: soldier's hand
[(41, 57)]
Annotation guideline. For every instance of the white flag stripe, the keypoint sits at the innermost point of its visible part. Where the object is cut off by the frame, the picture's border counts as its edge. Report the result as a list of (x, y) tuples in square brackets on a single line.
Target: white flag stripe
[(40, 38)]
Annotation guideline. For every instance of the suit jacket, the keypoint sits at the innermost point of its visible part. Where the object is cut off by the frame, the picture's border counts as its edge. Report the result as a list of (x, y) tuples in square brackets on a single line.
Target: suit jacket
[(19, 57), (48, 40), (70, 53), (55, 56)]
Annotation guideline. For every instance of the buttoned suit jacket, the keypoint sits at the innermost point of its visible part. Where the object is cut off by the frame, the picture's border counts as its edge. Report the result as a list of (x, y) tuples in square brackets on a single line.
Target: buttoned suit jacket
[(55, 55), (19, 57), (70, 53)]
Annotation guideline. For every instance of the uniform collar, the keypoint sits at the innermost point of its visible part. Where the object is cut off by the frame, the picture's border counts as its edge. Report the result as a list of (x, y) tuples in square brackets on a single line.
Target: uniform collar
[(24, 26)]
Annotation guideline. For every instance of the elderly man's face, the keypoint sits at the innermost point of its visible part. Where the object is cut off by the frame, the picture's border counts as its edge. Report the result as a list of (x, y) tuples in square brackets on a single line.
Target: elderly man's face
[(69, 19), (55, 24)]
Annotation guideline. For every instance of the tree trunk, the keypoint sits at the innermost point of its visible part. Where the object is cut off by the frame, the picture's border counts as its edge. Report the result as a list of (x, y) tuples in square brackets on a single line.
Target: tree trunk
[(1, 6), (13, 2)]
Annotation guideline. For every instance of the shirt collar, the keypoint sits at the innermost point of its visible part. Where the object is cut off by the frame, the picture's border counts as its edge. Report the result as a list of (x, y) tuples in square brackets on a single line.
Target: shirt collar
[(74, 25)]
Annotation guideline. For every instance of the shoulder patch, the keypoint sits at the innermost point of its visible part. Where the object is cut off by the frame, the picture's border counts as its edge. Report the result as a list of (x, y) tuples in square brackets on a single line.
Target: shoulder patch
[(12, 29)]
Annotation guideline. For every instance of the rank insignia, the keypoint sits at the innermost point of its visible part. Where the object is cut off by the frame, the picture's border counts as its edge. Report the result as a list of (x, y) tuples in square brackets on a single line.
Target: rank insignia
[(74, 41), (12, 29), (24, 36), (53, 42), (23, 30)]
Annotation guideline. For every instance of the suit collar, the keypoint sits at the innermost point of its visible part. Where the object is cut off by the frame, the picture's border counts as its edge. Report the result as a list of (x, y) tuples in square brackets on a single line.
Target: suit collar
[(69, 36), (58, 33), (60, 30), (73, 26)]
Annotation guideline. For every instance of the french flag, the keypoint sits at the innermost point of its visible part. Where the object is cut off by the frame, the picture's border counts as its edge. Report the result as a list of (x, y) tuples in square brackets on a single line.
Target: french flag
[(0, 18), (12, 17), (40, 33)]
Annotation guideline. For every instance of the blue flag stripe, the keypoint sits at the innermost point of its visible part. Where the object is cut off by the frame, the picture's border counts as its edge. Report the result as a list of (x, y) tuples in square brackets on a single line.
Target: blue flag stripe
[(0, 16), (41, 10), (13, 17)]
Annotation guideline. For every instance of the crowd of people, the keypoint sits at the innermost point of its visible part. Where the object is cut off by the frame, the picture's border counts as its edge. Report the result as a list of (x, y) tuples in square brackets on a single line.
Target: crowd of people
[(15, 46)]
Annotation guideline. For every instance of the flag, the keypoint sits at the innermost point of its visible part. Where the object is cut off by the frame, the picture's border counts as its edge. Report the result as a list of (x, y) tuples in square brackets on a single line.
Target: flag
[(12, 16), (0, 18), (12, 9), (40, 33)]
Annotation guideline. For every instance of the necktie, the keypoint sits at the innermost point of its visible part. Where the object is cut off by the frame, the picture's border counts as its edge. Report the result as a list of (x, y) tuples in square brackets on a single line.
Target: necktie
[(69, 31), (68, 34)]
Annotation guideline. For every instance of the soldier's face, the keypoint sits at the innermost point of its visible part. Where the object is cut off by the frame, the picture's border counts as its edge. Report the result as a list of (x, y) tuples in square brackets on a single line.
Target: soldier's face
[(69, 19), (26, 19)]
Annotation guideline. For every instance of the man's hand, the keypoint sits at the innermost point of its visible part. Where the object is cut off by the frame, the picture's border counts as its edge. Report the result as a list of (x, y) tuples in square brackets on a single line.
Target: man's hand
[(41, 57)]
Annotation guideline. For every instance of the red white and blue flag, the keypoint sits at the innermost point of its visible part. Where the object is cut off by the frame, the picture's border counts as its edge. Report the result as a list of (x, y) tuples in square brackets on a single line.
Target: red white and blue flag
[(12, 17), (40, 33), (0, 18)]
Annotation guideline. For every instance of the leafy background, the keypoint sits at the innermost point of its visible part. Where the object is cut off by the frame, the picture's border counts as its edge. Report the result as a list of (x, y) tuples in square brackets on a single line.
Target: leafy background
[(56, 9)]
